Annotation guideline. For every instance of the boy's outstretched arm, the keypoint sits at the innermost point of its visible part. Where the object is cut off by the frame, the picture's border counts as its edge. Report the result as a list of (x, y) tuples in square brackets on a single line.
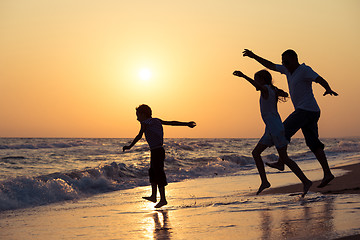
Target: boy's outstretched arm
[(136, 139), (177, 123), (325, 85), (262, 61)]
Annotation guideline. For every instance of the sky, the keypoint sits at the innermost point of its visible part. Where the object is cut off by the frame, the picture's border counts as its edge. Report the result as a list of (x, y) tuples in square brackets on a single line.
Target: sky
[(79, 68)]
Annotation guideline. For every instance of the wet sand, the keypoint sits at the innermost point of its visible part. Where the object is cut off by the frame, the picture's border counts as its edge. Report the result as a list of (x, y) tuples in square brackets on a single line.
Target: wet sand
[(345, 184), (203, 208)]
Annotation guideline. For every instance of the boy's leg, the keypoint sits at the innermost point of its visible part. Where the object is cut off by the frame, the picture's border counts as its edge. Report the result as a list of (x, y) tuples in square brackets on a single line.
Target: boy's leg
[(295, 168), (157, 173), (260, 166), (162, 201), (152, 198)]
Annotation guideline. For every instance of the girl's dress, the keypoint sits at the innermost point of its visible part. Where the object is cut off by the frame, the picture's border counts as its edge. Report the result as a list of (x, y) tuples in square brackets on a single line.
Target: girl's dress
[(274, 131)]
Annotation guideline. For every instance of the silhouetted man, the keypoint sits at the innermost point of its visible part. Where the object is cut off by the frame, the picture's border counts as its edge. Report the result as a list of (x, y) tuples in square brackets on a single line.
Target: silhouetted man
[(307, 112)]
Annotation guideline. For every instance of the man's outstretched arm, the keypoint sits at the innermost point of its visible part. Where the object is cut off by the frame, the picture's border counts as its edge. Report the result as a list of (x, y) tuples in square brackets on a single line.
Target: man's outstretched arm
[(325, 85), (258, 86), (262, 61)]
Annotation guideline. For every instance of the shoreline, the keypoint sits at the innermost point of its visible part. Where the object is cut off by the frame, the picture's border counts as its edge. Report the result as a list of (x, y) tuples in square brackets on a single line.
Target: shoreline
[(349, 183), (202, 208)]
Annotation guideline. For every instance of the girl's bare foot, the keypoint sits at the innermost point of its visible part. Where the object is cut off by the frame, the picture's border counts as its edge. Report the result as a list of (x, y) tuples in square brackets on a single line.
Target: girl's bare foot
[(262, 187), (161, 203), (307, 186), (151, 199)]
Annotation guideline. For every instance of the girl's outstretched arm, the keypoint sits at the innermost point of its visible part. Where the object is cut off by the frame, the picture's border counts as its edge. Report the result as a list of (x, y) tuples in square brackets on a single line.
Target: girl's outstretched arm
[(255, 84)]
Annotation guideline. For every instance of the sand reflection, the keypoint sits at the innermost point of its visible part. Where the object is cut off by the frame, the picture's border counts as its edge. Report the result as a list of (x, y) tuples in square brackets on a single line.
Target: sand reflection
[(309, 219), (162, 225)]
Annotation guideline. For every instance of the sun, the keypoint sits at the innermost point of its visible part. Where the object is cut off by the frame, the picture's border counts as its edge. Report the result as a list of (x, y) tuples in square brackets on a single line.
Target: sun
[(145, 74)]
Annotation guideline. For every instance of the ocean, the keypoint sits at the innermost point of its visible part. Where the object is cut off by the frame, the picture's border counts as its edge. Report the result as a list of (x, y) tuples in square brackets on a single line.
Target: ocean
[(41, 171)]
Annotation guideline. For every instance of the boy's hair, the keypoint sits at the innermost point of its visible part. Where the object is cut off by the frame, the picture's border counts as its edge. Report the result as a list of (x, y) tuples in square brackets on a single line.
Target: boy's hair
[(290, 53), (266, 76), (143, 108)]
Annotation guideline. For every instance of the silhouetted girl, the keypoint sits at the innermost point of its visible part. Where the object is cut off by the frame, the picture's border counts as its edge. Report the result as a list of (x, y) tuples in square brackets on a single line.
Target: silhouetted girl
[(274, 131)]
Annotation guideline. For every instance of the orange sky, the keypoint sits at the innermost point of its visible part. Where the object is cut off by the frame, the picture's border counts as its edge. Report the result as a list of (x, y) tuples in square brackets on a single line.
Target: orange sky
[(71, 68)]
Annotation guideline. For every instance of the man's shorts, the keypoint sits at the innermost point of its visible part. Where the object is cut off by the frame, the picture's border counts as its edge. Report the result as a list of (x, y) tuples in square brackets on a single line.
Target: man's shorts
[(307, 122)]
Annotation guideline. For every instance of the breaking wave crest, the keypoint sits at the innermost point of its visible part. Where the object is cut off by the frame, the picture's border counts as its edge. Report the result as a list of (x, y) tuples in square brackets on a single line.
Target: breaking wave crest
[(22, 192)]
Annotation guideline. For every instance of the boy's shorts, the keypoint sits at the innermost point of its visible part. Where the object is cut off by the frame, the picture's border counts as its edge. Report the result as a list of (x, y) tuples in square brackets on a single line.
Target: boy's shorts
[(156, 171), (307, 122)]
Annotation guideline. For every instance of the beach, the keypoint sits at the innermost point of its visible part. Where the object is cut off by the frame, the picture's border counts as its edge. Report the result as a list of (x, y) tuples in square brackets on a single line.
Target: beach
[(203, 208), (348, 183)]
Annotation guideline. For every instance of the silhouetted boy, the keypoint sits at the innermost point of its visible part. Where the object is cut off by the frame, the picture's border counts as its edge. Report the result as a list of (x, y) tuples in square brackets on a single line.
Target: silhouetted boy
[(152, 127)]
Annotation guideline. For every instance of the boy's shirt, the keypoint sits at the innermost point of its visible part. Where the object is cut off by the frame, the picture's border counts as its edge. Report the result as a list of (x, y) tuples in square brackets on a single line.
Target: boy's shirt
[(154, 133)]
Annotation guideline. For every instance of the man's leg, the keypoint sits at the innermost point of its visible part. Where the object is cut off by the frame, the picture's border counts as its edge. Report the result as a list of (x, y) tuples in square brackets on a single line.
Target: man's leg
[(311, 134), (328, 176), (295, 169)]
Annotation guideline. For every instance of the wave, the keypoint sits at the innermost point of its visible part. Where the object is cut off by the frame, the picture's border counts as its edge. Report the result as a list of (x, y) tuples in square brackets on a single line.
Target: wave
[(23, 192), (185, 159), (43, 145), (345, 145)]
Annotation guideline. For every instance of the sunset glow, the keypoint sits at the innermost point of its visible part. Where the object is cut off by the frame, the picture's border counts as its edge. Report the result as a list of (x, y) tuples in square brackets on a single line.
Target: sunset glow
[(145, 74), (79, 69)]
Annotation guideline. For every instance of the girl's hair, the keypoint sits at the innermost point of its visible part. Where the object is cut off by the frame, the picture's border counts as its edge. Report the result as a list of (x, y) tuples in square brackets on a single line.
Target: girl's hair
[(266, 76)]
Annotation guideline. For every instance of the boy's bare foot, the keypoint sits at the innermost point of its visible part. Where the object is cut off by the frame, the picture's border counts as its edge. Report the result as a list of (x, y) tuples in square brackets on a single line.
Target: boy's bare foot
[(161, 203), (326, 181), (307, 186), (279, 166), (262, 187), (151, 199)]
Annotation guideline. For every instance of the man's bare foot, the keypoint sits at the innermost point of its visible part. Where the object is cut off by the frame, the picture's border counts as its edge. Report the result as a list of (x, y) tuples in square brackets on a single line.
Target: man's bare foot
[(307, 186), (279, 166), (161, 203), (151, 199), (326, 181), (262, 187)]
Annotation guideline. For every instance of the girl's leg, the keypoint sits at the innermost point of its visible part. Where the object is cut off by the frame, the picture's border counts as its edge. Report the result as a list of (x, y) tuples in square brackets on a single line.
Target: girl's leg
[(152, 198), (260, 166), (292, 124), (162, 201), (295, 168)]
